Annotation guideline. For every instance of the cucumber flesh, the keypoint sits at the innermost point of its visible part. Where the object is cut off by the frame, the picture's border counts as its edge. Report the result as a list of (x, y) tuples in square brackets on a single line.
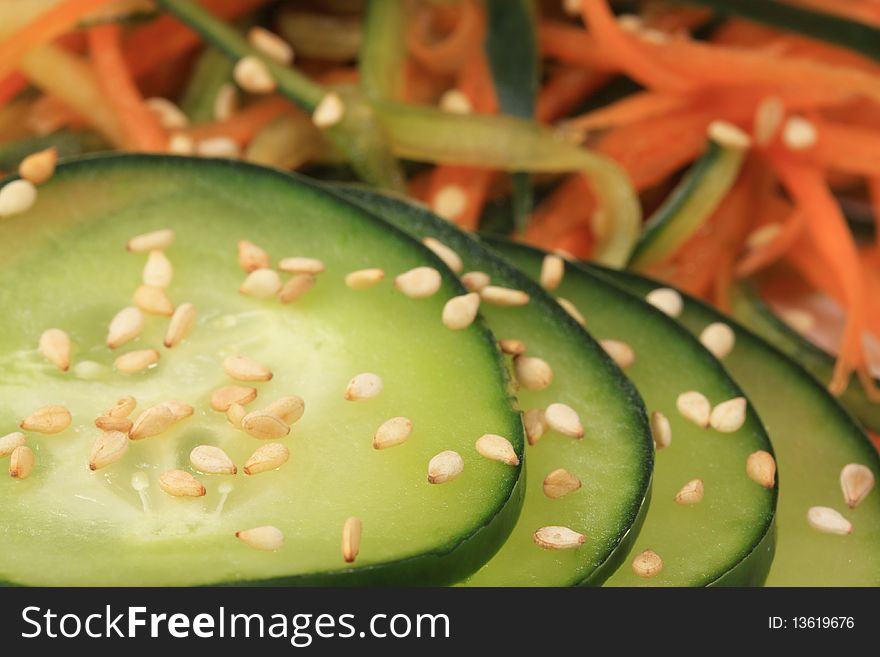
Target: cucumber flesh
[(814, 438), (757, 316), (615, 458), (731, 528), (64, 264)]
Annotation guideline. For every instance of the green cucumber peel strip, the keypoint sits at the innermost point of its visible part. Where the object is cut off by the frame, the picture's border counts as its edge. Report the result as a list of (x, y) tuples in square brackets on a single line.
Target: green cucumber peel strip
[(511, 565), (752, 311), (357, 134), (513, 144), (383, 54), (515, 74), (834, 29), (813, 437), (211, 71), (689, 205)]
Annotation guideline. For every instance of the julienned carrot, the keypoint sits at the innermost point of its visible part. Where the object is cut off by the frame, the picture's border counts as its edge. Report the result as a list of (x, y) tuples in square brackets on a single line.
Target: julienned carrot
[(446, 55), (475, 82), (847, 148), (827, 229), (579, 242), (421, 86), (166, 38), (637, 107), (42, 30), (767, 254), (10, 86), (141, 126), (628, 53), (48, 114), (568, 206), (565, 90), (242, 126)]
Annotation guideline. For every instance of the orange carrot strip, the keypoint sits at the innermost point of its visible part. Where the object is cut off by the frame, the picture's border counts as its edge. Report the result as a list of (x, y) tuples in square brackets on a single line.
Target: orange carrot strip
[(631, 58), (570, 205), (447, 54), (565, 43), (11, 86), (846, 148), (828, 231), (140, 125), (766, 255), (565, 90), (638, 107), (48, 114), (579, 242), (242, 126), (166, 38), (45, 28)]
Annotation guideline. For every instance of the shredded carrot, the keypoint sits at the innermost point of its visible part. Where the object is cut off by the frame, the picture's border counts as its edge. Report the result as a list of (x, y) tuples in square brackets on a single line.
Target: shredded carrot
[(846, 148), (629, 55), (565, 89), (45, 28), (764, 256), (166, 38), (637, 107), (446, 54), (141, 126), (579, 242), (242, 126), (874, 190), (48, 114), (12, 85), (827, 229), (570, 205), (421, 86)]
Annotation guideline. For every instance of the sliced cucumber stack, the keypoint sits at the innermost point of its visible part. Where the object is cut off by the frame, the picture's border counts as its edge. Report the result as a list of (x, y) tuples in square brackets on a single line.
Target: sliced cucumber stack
[(815, 442), (709, 522), (313, 500), (599, 483)]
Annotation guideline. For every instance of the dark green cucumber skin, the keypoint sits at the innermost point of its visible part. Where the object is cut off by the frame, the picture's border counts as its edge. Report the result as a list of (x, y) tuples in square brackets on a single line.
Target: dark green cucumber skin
[(756, 315), (697, 314), (754, 565), (422, 222), (666, 213), (446, 566)]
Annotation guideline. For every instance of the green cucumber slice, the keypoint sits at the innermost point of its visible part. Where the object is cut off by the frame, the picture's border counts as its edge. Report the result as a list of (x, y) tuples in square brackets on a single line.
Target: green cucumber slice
[(757, 316), (689, 205), (814, 438), (64, 264), (731, 529), (615, 458)]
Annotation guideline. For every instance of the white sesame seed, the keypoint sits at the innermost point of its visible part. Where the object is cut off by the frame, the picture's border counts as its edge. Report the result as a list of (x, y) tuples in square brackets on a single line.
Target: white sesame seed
[(221, 147), (496, 448), (449, 202), (828, 521), (647, 564), (768, 117), (572, 310), (267, 539), (55, 347), (225, 102), (691, 493), (364, 278), (252, 75), (251, 257), (532, 373), (364, 386), (661, 430), (181, 325), (475, 281), (181, 144), (728, 135), (695, 407), (718, 338), (39, 167), (261, 283), (799, 134), (124, 327), (564, 419), (555, 537), (503, 296), (856, 481), (419, 283), (444, 467), (620, 352), (729, 416), (271, 45), (552, 271), (329, 111), (559, 483), (17, 197), (764, 235), (170, 115), (301, 265), (667, 300), (392, 432), (761, 468), (455, 102), (461, 311), (447, 255), (158, 272)]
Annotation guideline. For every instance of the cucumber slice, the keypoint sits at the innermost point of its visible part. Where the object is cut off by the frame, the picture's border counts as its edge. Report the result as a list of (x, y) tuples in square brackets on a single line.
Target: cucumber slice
[(757, 316), (615, 458), (814, 438), (64, 264), (728, 536), (689, 205)]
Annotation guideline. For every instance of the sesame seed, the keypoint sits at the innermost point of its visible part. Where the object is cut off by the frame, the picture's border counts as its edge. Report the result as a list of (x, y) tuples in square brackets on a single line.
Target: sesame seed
[(329, 111), (667, 300), (39, 167), (271, 45), (252, 75), (17, 197), (728, 135), (449, 202), (799, 134)]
